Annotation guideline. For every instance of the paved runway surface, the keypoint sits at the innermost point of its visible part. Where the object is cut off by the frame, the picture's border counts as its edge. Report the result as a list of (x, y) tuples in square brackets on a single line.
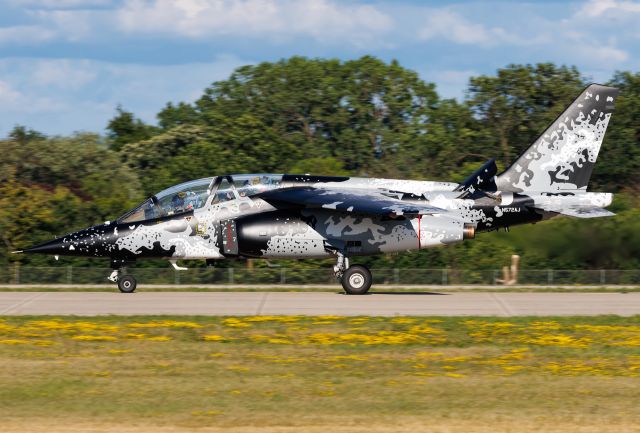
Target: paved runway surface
[(314, 303)]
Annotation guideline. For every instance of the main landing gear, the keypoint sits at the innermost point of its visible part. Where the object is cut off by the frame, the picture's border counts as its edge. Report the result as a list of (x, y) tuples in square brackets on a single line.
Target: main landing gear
[(126, 283), (356, 279)]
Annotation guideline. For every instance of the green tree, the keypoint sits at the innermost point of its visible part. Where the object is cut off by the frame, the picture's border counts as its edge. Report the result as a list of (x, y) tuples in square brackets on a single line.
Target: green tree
[(619, 161), (325, 116), (357, 112), (56, 185), (328, 166), (30, 213), (22, 134), (126, 128), (519, 102), (176, 115)]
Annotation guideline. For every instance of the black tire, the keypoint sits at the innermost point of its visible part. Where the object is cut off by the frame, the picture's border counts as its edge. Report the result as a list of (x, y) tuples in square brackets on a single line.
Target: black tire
[(357, 280), (127, 284)]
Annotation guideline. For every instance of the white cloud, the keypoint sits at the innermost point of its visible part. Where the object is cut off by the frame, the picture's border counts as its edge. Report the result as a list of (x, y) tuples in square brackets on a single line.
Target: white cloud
[(576, 38), (601, 54), (323, 20), (446, 24), (279, 20), (599, 8), (62, 95), (588, 39), (12, 101), (28, 33), (8, 95), (63, 73), (60, 4), (76, 25)]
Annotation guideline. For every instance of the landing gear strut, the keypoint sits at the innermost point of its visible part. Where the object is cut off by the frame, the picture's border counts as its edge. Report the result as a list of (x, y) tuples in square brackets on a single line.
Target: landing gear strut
[(356, 279), (126, 283)]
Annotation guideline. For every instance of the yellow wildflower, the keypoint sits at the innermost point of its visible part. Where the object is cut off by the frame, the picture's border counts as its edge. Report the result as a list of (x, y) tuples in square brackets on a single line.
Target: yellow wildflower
[(214, 337), (94, 338), (235, 323), (14, 341), (165, 324), (159, 338)]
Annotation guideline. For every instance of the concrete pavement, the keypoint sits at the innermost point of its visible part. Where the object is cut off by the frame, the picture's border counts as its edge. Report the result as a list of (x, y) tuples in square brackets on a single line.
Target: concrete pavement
[(319, 303)]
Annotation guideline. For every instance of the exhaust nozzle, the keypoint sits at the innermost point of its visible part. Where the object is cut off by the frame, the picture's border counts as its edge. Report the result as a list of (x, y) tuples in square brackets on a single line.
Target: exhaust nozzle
[(469, 231)]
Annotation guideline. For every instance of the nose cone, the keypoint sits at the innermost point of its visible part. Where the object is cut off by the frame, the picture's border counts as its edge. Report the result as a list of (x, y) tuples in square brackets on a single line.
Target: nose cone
[(95, 241), (55, 246)]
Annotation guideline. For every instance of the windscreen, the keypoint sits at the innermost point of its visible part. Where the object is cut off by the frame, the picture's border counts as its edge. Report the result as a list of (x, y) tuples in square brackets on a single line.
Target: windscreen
[(184, 197), (177, 199)]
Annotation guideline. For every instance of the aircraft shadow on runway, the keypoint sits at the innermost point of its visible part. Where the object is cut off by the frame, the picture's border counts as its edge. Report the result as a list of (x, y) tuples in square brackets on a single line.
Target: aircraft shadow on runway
[(403, 293)]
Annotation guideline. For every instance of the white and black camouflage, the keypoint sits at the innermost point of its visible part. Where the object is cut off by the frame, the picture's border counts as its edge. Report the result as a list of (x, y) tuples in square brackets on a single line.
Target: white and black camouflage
[(304, 216)]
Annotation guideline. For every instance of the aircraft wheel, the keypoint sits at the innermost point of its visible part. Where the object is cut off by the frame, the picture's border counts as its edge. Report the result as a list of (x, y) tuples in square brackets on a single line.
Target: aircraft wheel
[(357, 280), (127, 284)]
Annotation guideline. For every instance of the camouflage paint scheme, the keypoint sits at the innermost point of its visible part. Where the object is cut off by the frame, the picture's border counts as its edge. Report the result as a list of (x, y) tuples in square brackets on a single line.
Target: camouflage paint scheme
[(303, 216)]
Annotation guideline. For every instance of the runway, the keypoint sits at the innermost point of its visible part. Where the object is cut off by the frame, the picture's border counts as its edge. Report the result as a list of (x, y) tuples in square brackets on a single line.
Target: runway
[(319, 303)]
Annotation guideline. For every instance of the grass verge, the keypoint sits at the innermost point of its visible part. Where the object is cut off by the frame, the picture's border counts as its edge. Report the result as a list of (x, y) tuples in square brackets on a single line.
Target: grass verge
[(327, 373)]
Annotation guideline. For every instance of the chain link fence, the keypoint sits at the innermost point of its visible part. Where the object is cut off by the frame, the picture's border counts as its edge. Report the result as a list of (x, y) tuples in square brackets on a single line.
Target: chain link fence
[(321, 276)]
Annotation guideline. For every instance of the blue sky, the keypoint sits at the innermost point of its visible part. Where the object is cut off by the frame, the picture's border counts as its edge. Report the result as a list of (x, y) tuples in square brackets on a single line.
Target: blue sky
[(66, 64)]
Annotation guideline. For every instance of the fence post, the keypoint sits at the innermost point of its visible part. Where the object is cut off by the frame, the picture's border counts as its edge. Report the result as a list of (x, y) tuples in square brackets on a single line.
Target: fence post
[(283, 276), (495, 276), (176, 277), (445, 276), (396, 276), (16, 273), (549, 276), (231, 279), (69, 274), (603, 278)]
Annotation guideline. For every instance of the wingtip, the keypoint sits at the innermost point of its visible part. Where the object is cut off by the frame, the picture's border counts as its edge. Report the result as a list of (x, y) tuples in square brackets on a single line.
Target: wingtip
[(17, 252)]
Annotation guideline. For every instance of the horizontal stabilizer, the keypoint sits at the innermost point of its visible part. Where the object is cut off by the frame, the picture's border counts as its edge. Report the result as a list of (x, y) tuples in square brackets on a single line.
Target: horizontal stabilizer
[(583, 212)]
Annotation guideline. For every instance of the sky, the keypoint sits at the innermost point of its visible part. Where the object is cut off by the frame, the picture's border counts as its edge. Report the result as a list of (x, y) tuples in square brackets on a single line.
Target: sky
[(65, 65)]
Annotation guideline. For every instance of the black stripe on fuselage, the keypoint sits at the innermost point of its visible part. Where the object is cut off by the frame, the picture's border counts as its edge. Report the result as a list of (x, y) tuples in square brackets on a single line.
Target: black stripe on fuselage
[(305, 179)]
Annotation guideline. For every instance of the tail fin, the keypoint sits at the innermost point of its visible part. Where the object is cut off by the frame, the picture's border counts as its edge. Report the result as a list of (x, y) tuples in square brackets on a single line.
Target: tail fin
[(562, 158)]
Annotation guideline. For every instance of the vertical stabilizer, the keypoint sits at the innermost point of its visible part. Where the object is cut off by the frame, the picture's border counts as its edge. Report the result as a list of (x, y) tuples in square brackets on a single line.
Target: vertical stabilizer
[(563, 157)]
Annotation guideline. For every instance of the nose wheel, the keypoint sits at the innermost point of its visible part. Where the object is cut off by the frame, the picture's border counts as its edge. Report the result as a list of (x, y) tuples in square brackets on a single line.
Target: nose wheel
[(126, 283)]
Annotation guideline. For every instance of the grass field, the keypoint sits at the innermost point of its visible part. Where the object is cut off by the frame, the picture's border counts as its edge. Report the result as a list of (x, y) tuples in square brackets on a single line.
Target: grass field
[(319, 374)]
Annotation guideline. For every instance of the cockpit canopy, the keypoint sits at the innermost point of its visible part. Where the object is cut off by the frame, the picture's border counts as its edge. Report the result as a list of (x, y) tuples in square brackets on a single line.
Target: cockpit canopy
[(192, 195)]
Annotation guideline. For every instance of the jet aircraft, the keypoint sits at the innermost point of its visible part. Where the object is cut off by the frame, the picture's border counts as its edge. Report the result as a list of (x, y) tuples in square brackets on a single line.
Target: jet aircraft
[(304, 216)]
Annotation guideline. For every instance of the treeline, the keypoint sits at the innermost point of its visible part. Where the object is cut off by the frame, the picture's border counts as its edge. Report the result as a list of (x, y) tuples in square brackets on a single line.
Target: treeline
[(361, 117)]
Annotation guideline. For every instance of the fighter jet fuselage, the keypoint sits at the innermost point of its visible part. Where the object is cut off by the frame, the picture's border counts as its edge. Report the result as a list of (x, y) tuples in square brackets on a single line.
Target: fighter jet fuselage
[(304, 216)]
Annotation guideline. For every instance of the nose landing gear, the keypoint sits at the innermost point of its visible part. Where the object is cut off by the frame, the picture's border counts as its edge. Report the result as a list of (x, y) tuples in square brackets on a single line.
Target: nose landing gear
[(356, 279), (126, 283)]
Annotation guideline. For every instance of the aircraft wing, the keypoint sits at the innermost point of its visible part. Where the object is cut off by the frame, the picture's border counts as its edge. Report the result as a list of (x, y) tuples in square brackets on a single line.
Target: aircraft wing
[(345, 200), (579, 211)]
